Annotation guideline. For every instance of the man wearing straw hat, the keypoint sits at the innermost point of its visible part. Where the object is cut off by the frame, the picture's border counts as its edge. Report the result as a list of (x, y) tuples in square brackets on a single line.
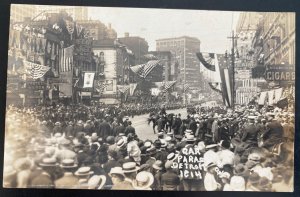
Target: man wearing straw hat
[(69, 180)]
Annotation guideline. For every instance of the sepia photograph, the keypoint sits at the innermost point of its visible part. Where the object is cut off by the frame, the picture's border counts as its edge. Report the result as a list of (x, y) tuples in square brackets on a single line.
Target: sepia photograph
[(119, 98)]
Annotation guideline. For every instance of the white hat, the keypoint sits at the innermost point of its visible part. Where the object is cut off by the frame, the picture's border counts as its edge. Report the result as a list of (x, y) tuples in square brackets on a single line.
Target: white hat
[(143, 181), (96, 182)]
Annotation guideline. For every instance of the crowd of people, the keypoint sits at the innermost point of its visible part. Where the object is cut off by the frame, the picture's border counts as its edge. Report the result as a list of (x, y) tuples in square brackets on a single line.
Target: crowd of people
[(89, 147)]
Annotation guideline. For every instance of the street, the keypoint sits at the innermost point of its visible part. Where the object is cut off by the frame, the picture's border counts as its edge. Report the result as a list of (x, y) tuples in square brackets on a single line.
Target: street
[(144, 131)]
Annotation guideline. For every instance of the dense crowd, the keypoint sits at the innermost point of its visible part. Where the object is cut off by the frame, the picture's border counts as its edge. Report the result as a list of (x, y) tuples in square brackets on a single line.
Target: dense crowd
[(90, 147)]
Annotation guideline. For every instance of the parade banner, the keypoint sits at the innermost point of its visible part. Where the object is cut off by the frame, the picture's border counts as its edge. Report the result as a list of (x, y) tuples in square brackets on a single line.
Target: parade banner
[(88, 80)]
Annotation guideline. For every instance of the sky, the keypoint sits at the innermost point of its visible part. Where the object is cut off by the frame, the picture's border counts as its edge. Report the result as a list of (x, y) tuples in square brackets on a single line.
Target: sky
[(211, 27)]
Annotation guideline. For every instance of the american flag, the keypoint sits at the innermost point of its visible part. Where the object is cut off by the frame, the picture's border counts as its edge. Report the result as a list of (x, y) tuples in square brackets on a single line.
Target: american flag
[(167, 85), (186, 87), (144, 69), (35, 70)]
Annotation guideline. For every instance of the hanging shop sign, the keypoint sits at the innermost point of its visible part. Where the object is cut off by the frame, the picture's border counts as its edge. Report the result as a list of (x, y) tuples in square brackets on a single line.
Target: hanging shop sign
[(280, 73)]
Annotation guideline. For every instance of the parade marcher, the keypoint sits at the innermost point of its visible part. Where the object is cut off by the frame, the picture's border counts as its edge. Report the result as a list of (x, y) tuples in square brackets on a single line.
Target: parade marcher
[(129, 129)]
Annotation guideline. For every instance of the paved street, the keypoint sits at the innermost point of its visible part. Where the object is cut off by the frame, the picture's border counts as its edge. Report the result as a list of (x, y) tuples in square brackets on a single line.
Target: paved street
[(144, 131)]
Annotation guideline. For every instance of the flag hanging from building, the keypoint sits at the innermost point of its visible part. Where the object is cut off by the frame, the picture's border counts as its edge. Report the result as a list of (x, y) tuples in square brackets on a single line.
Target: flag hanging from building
[(66, 63), (34, 70), (208, 60), (88, 80), (167, 85), (144, 69), (215, 86)]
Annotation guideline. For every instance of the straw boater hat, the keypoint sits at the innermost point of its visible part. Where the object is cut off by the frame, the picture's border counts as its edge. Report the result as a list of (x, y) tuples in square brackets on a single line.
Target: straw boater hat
[(168, 138), (120, 143), (129, 167), (48, 162), (68, 164), (172, 156), (116, 170), (96, 182), (163, 143), (190, 138), (84, 171), (147, 144), (143, 181)]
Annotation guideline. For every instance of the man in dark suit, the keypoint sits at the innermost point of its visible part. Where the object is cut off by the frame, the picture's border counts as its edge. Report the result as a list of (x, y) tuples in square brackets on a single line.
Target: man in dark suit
[(273, 134), (249, 136), (104, 129), (129, 129)]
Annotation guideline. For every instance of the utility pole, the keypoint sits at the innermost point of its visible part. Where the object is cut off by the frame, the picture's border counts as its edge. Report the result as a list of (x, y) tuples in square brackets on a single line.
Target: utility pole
[(184, 75), (233, 39)]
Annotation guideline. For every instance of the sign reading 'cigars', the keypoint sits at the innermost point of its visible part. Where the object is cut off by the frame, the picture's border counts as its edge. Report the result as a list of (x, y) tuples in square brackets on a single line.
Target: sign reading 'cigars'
[(280, 73)]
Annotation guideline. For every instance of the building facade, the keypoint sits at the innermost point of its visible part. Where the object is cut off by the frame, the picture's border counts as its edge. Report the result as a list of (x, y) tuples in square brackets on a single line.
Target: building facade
[(139, 46), (246, 86), (112, 69), (183, 49), (98, 30)]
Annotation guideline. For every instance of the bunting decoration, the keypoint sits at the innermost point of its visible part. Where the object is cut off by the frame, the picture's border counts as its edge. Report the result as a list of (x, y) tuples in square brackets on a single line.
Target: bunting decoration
[(208, 60), (143, 70), (34, 70), (88, 79), (215, 86)]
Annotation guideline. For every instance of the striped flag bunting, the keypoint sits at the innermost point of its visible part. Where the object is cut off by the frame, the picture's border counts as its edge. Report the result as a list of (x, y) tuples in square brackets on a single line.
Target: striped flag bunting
[(215, 86), (186, 87), (149, 67), (208, 60), (66, 64), (167, 85), (34, 70), (144, 69), (123, 88)]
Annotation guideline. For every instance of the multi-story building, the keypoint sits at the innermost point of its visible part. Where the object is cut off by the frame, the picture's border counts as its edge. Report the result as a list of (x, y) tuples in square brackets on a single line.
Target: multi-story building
[(18, 12), (98, 30), (184, 49), (113, 69), (139, 46), (76, 12), (245, 86)]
